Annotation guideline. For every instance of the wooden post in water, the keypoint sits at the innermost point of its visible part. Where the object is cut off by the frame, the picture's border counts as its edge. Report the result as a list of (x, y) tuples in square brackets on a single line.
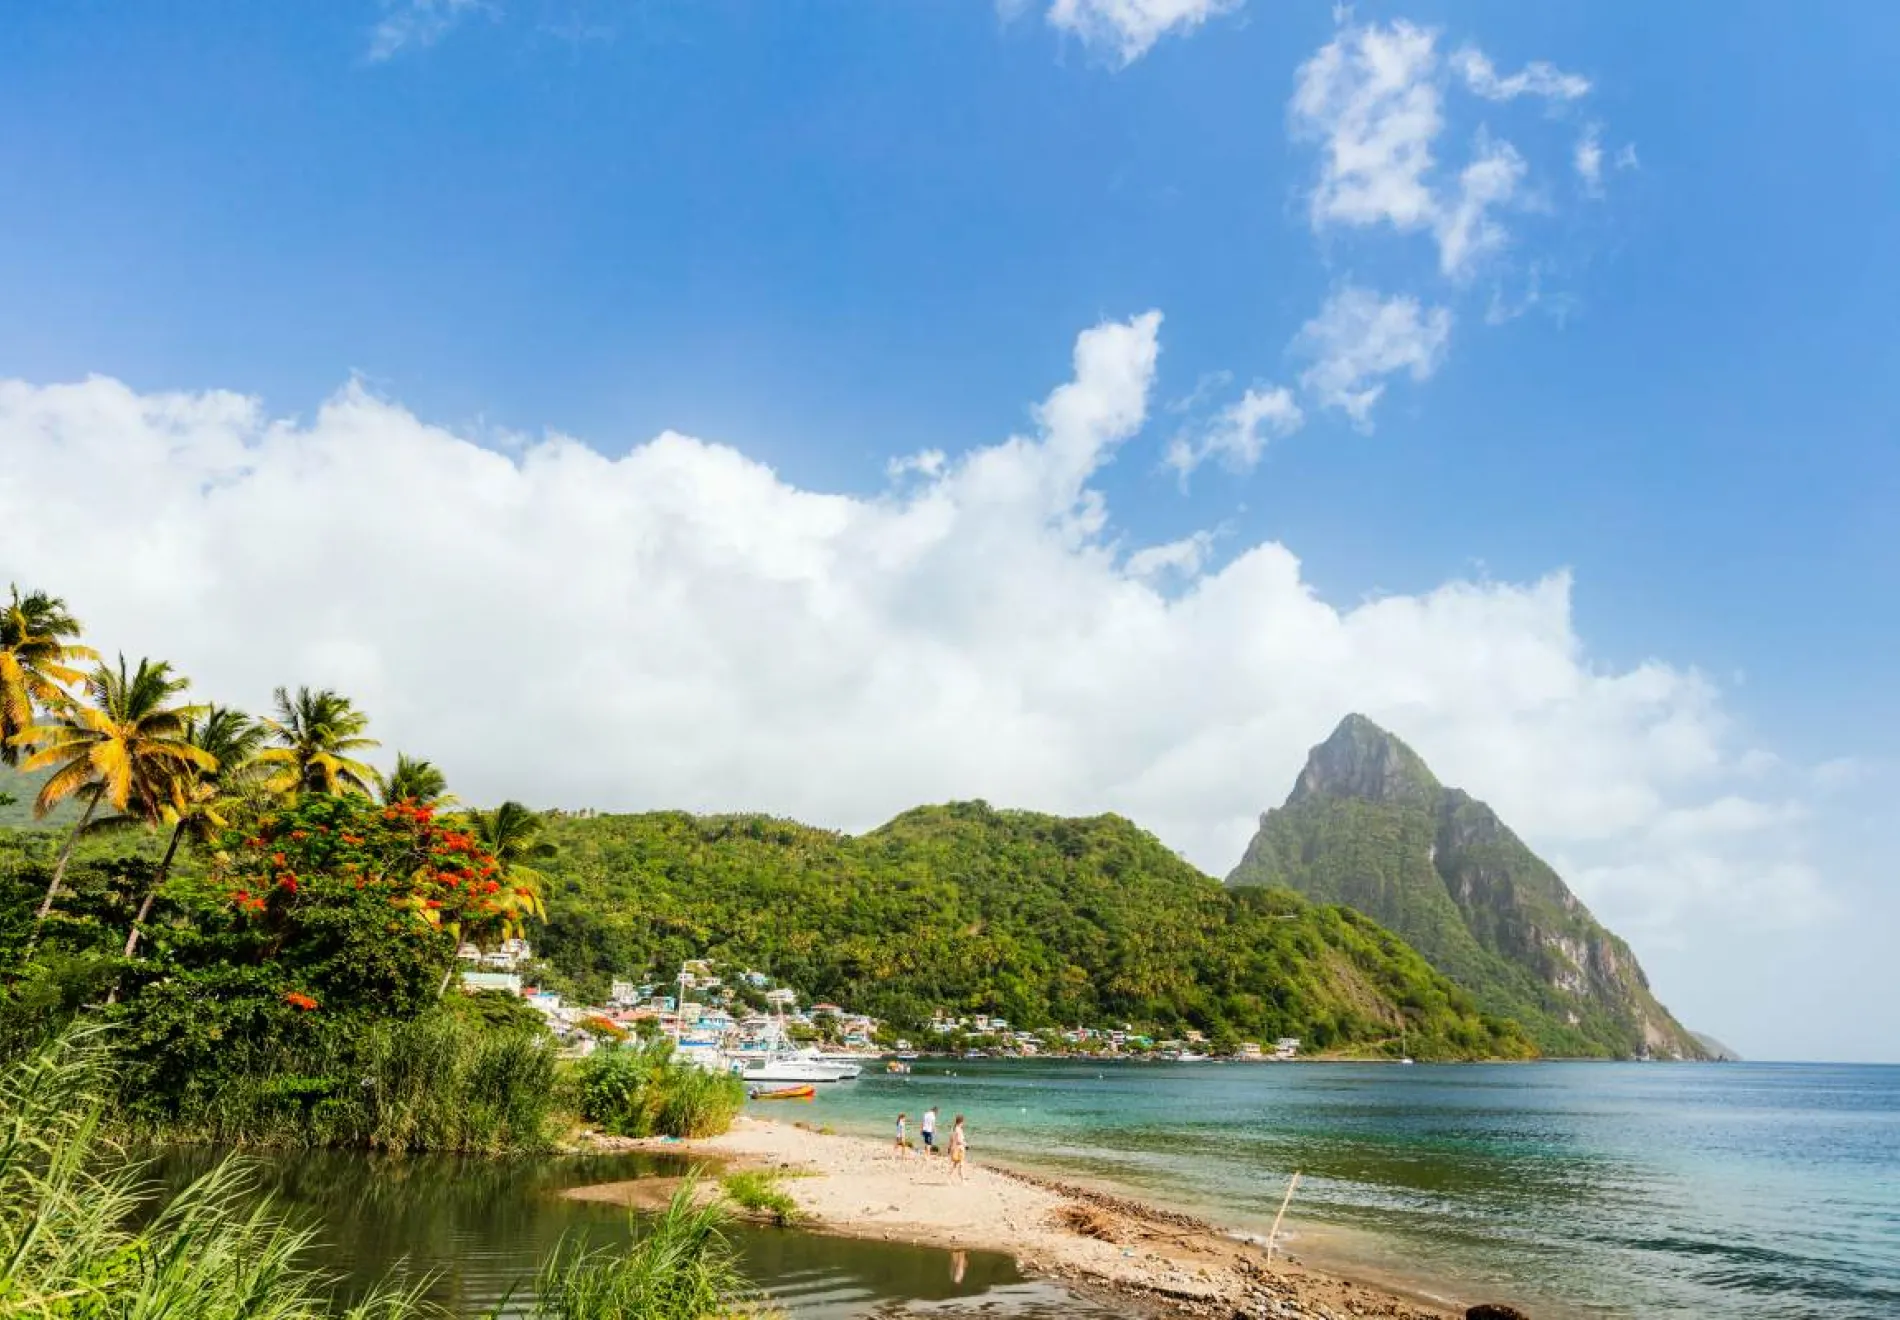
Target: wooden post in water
[(1285, 1201)]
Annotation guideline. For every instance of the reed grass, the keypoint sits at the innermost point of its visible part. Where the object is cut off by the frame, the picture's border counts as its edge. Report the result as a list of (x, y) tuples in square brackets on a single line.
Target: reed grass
[(433, 1083)]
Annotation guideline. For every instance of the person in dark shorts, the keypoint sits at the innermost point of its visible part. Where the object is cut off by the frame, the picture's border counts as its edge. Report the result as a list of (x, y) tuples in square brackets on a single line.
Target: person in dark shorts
[(929, 1129)]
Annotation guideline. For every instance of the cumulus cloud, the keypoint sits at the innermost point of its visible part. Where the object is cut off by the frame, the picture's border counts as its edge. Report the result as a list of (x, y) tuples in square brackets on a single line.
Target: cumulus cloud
[(1239, 433), (410, 24), (1359, 338), (671, 624), (1538, 78), (1125, 30)]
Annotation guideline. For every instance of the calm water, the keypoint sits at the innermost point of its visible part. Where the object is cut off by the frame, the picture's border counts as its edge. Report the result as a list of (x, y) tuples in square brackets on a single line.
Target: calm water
[(1770, 1192), (479, 1229), (1738, 1190)]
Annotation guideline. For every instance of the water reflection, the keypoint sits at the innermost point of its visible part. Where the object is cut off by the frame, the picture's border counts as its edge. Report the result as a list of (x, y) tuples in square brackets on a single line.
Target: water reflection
[(477, 1229)]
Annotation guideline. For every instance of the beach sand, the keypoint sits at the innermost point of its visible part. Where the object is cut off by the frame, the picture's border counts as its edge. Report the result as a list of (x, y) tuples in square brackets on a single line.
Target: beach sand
[(1178, 1264)]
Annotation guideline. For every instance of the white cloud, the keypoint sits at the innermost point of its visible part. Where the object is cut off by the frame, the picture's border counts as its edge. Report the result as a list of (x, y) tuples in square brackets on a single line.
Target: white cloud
[(1371, 99), (1359, 338), (1183, 558), (1467, 230), (1374, 100), (1128, 29), (1589, 159), (1537, 78), (1239, 433), (417, 23), (676, 626), (1626, 157)]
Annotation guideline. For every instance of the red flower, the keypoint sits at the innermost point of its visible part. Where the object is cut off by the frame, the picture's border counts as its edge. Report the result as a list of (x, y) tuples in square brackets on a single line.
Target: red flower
[(277, 859), (299, 1000)]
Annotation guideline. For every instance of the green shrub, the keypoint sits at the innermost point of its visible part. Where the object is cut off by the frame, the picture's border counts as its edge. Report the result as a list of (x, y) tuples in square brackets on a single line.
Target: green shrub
[(644, 1091)]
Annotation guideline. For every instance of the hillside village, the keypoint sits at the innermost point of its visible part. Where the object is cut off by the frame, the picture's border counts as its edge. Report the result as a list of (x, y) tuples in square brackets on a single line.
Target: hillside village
[(703, 1010)]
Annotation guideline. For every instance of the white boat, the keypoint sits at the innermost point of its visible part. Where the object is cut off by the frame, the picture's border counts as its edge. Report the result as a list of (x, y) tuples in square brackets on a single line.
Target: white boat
[(848, 1065), (789, 1068)]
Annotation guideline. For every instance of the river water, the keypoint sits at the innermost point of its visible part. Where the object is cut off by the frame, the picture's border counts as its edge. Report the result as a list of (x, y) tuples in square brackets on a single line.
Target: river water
[(1764, 1191)]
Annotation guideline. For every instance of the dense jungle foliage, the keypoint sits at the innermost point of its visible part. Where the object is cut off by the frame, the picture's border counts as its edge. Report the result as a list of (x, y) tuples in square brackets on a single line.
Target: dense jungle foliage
[(1043, 920)]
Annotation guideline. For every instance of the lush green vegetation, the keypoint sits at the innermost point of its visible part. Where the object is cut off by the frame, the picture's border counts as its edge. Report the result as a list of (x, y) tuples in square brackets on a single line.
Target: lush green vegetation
[(267, 926), (1371, 827), (644, 1091), (1042, 920), (81, 1237), (758, 1190)]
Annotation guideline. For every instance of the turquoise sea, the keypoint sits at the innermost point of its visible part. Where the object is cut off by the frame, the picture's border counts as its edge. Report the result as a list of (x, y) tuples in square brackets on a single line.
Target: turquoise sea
[(1578, 1189), (1764, 1191)]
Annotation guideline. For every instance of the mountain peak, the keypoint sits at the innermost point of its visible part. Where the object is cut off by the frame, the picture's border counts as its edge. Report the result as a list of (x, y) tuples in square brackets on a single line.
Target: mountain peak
[(1359, 759)]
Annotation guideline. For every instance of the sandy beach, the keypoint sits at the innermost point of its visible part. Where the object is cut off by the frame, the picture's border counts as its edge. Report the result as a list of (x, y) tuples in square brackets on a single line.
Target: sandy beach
[(1171, 1263)]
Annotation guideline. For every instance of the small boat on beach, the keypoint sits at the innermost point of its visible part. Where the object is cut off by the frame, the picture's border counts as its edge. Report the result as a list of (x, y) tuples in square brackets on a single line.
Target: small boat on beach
[(784, 1093)]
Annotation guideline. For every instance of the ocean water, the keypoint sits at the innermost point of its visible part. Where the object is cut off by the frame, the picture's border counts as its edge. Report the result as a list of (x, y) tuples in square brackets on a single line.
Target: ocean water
[(1757, 1191), (1576, 1189)]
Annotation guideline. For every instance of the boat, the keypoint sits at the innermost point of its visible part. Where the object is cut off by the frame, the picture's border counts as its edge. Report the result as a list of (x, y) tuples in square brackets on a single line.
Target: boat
[(788, 1068), (897, 1066), (846, 1065), (785, 1093)]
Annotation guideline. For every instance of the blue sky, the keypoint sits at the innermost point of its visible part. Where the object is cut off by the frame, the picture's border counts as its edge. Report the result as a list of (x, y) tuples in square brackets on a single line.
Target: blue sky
[(832, 234)]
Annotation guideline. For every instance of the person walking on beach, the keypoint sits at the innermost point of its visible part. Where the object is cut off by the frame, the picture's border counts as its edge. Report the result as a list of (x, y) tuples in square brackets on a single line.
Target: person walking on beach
[(959, 1151), (903, 1141), (929, 1129)]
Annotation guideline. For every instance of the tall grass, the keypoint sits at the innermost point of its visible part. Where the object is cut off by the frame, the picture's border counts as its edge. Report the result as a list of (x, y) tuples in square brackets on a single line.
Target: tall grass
[(433, 1083), (682, 1267), (81, 1238), (68, 1209), (643, 1091)]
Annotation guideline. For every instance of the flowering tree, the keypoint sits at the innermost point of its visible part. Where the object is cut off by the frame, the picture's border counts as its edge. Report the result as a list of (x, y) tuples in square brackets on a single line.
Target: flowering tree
[(357, 901)]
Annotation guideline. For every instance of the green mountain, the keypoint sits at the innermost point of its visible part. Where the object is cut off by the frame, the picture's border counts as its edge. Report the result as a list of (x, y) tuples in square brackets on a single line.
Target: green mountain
[(1368, 825), (1043, 920)]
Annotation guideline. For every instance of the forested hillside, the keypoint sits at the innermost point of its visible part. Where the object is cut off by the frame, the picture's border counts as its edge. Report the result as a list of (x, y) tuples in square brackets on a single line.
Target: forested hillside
[(1041, 919)]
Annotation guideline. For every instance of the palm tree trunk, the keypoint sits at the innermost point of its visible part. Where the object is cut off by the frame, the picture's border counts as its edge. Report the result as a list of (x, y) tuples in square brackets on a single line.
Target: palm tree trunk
[(151, 895), (59, 871)]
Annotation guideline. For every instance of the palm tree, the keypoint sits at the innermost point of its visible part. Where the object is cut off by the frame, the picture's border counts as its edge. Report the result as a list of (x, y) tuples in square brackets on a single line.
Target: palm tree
[(198, 799), (415, 780), (512, 835), (35, 663), (315, 733), (123, 745)]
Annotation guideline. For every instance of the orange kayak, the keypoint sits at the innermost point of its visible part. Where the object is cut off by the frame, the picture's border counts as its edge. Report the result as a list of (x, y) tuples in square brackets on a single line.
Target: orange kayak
[(787, 1093)]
